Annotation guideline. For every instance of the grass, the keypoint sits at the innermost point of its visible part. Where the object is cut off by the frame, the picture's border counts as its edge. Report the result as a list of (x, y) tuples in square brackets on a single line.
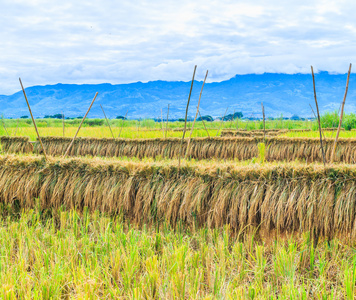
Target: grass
[(67, 254)]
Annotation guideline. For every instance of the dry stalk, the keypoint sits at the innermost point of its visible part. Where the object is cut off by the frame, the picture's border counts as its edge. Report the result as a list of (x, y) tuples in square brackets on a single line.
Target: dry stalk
[(107, 121)]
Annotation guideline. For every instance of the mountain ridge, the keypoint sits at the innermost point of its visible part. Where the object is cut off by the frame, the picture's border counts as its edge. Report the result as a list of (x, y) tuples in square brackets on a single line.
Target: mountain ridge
[(286, 94)]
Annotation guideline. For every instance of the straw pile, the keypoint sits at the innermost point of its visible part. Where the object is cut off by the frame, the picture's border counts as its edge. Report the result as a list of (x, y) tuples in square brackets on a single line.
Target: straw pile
[(15, 144), (277, 148), (288, 197)]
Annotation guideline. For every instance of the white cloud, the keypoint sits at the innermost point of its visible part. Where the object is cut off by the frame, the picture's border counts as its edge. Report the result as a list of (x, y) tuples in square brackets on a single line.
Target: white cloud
[(124, 41)]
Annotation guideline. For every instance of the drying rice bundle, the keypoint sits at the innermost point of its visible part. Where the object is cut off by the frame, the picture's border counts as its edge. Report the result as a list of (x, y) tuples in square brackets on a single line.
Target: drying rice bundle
[(16, 144), (288, 197)]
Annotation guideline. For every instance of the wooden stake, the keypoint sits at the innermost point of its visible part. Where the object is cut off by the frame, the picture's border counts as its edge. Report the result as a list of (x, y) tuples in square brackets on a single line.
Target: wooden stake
[(3, 124), (122, 123), (167, 123), (222, 120), (196, 114), (33, 119), (232, 118), (341, 116), (317, 110), (264, 124), (185, 120), (17, 126), (204, 124), (107, 121), (63, 123), (80, 125), (316, 119)]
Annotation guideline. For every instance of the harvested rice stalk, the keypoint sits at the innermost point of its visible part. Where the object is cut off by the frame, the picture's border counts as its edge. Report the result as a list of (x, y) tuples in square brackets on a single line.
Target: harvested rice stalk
[(282, 198)]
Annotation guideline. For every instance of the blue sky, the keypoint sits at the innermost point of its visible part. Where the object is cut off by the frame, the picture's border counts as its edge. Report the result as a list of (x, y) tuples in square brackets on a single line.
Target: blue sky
[(46, 42)]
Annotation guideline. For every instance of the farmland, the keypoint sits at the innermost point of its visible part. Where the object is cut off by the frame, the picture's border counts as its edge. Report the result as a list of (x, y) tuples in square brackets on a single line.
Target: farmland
[(247, 215)]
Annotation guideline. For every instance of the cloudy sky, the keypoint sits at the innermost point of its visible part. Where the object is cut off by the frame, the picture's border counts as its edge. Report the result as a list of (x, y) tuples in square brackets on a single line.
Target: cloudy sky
[(46, 42)]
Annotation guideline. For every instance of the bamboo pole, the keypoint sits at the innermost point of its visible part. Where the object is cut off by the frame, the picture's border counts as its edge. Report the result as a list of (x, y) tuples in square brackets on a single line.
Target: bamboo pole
[(232, 118), (317, 110), (3, 124), (17, 126), (264, 123), (107, 121), (316, 118), (122, 123), (196, 114), (33, 119), (165, 135), (341, 116), (80, 125), (185, 120), (222, 120), (63, 123), (204, 124)]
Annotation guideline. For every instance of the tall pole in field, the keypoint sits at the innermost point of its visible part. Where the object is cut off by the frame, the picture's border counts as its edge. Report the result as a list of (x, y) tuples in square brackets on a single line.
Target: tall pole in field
[(33, 119), (167, 123), (107, 121), (341, 116), (3, 124), (204, 124), (264, 124), (17, 126), (122, 123), (317, 110), (196, 114), (63, 123), (80, 125), (185, 120), (222, 120)]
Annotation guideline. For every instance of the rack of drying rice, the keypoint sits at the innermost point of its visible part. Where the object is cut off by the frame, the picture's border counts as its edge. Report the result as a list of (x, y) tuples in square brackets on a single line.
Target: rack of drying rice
[(240, 148), (15, 144), (285, 197)]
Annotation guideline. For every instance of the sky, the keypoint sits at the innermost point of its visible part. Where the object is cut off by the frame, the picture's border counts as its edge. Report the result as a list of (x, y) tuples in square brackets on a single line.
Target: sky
[(49, 42)]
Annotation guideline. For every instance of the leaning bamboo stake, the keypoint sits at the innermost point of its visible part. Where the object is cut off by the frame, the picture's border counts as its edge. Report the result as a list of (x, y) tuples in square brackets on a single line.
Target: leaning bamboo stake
[(316, 119), (63, 123), (204, 124), (232, 118), (185, 120), (167, 123), (196, 114), (122, 123), (33, 119), (80, 125), (107, 121), (341, 116), (3, 124), (222, 120), (17, 127), (264, 123), (317, 110)]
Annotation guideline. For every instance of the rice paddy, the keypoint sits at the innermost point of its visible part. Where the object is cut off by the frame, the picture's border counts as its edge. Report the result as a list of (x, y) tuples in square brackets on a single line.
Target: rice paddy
[(242, 216)]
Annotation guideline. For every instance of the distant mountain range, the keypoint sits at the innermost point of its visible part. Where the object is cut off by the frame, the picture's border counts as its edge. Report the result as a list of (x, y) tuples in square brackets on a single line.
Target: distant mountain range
[(280, 93)]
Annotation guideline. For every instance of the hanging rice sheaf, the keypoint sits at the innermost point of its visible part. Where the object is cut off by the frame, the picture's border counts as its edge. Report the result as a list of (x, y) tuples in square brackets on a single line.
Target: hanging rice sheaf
[(289, 197), (240, 148)]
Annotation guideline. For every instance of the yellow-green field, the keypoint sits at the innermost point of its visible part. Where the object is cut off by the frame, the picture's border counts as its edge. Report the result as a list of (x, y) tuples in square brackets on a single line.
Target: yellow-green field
[(71, 255)]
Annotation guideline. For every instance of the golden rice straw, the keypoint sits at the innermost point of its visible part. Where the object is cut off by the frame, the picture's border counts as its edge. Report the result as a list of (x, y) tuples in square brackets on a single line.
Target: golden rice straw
[(167, 122), (341, 116), (122, 123), (107, 121), (80, 125), (33, 120), (222, 120), (185, 119), (196, 114), (204, 124), (317, 110)]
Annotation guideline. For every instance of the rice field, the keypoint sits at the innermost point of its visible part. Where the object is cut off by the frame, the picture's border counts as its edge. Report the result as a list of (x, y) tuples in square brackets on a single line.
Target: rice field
[(240, 217)]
